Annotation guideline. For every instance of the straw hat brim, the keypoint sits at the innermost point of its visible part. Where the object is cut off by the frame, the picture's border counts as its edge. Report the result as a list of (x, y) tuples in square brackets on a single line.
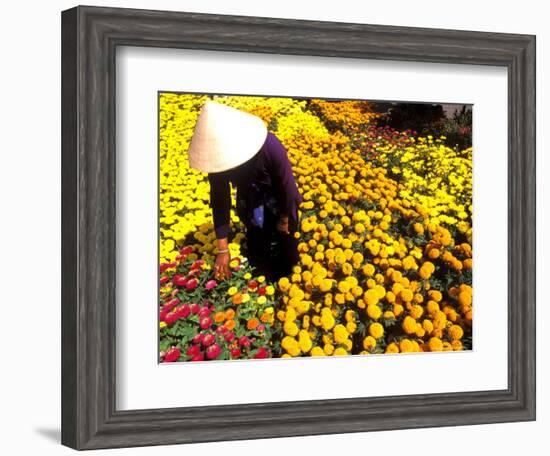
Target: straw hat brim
[(224, 138)]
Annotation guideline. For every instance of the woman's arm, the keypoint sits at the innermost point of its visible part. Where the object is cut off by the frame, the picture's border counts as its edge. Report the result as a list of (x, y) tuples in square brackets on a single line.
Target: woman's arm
[(220, 202)]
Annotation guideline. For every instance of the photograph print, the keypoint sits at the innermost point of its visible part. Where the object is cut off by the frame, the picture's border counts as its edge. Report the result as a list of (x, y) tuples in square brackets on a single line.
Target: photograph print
[(295, 227)]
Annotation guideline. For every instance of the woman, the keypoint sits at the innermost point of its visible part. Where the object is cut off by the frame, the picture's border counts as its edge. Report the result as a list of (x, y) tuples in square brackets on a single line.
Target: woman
[(235, 148)]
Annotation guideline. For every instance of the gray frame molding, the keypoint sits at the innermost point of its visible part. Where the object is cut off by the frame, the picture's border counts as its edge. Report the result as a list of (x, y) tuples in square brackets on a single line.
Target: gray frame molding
[(89, 39)]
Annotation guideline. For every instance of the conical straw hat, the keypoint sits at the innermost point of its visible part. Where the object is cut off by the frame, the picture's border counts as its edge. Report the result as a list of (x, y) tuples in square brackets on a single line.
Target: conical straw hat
[(224, 138)]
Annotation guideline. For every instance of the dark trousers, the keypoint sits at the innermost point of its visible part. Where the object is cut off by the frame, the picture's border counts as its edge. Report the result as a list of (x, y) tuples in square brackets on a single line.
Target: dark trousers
[(271, 252)]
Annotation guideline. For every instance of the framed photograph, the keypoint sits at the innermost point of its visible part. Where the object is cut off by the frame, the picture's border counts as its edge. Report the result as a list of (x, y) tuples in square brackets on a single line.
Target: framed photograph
[(276, 227)]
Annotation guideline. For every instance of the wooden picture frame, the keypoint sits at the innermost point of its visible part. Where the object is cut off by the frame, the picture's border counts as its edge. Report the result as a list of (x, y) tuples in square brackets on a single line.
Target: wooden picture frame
[(90, 36)]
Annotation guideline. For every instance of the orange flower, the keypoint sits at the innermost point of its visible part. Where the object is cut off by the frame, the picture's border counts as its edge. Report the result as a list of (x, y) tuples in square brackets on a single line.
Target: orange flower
[(229, 314), (237, 299), (219, 317), (252, 323), (265, 317), (230, 324)]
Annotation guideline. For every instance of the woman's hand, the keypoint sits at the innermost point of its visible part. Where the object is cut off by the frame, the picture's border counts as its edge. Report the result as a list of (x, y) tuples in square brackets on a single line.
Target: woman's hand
[(282, 224), (221, 266)]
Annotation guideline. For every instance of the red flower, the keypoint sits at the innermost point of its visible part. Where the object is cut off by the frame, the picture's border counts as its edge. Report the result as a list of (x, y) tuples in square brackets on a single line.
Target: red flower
[(244, 341), (196, 265), (235, 352), (171, 318), (186, 250), (193, 350), (179, 280), (194, 308), (262, 353), (208, 339), (164, 279), (262, 291), (205, 323), (171, 304), (192, 284), (213, 351), (183, 311), (165, 266), (172, 355), (229, 336), (204, 312), (252, 284), (199, 357)]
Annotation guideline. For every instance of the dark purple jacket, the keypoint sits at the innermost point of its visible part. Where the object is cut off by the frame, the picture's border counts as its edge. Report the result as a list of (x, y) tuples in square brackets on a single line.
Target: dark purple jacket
[(269, 170)]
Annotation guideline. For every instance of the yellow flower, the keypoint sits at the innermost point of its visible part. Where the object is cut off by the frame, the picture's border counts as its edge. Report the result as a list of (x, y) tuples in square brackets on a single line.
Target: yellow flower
[(373, 311), (290, 328), (317, 351), (369, 342), (435, 344), (376, 330), (304, 341), (232, 291), (455, 332), (290, 345), (409, 325), (343, 286), (340, 333), (405, 345)]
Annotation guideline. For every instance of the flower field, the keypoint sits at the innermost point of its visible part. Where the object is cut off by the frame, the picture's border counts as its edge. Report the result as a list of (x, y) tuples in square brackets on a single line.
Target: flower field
[(385, 241)]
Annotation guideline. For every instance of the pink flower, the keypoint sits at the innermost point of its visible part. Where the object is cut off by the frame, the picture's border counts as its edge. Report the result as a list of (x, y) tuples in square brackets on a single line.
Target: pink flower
[(192, 284), (210, 284), (172, 355)]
